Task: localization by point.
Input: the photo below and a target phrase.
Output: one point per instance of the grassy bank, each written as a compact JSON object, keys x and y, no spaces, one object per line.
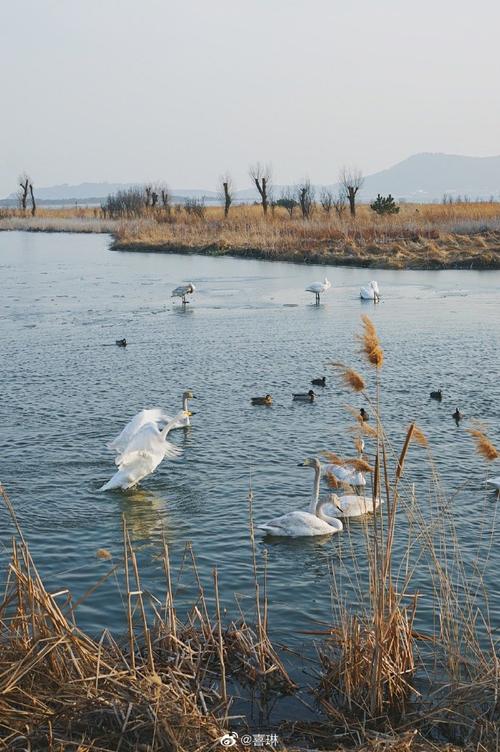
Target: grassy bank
{"x":381,"y":679}
{"x":434,"y":236}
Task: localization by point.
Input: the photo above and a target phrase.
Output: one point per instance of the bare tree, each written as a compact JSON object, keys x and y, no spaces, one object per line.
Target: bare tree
{"x":226,"y":192}
{"x":22,"y":194}
{"x":261,"y":176}
{"x":351,"y":179}
{"x":305,"y":196}
{"x":33,"y":202}
{"x":326,"y":200}
{"x":166,"y":199}
{"x":340,"y":203}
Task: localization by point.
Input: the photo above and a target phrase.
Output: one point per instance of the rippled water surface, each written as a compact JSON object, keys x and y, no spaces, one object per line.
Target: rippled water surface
{"x":251,"y":329}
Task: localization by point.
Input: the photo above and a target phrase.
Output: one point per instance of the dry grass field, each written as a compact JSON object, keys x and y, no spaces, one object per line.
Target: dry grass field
{"x":423,"y":236}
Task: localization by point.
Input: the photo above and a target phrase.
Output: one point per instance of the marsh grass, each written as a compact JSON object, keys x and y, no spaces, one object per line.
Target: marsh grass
{"x":420,"y":236}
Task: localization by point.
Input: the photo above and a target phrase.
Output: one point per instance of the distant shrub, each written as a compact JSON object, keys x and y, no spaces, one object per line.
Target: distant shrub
{"x":195,"y":207}
{"x":384,"y":205}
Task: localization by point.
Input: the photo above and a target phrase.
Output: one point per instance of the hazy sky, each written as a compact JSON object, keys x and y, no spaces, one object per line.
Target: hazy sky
{"x":132,"y":90}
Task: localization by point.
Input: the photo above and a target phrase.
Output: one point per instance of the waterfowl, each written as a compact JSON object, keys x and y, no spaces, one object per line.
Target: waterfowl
{"x":495,"y":482}
{"x":121,"y":342}
{"x":370,"y":292}
{"x":457,"y":416}
{"x":438,"y":395}
{"x":182,"y":291}
{"x":305,"y":396}
{"x":351,"y":505}
{"x":300,"y":524}
{"x":319,"y":382}
{"x":155,"y":416}
{"x":134,"y":465}
{"x":267,"y":400}
{"x":318,"y":288}
{"x":345,"y":474}
{"x":364,"y":415}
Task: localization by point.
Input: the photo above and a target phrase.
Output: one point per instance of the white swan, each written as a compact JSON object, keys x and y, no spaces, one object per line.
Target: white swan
{"x":351,"y":505}
{"x":346,"y":474}
{"x":156,"y":416}
{"x":495,"y":482}
{"x":318,"y":288}
{"x":298,"y":523}
{"x":371,"y":292}
{"x":182,"y":291}
{"x":135,"y":465}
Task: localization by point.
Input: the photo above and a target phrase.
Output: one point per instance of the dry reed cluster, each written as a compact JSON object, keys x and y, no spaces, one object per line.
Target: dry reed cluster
{"x":423,"y":236}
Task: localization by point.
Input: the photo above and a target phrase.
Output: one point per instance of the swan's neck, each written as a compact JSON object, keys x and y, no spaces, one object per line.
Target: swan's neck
{"x":315,"y":493}
{"x":185,"y":403}
{"x":332,"y":521}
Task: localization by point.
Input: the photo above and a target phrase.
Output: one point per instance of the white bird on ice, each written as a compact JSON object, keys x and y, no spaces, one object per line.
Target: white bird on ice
{"x":318,"y":288}
{"x":182,"y":291}
{"x":370,"y":292}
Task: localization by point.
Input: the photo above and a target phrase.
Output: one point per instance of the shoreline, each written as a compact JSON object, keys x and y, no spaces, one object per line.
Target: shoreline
{"x":456,"y":251}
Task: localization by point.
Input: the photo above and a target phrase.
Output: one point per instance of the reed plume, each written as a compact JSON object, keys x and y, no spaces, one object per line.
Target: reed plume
{"x":484,"y":447}
{"x":350,"y":377}
{"x":370,"y":343}
{"x":419,"y":436}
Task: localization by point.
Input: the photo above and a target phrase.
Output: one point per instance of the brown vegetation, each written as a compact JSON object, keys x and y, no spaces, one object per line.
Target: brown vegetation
{"x":432,"y":236}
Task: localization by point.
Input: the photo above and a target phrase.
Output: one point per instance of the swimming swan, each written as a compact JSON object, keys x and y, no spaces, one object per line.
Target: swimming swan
{"x":495,"y":482}
{"x":370,"y":292}
{"x":351,"y":505}
{"x":345,"y":474}
{"x":136,"y":464}
{"x":300,"y":524}
{"x":318,"y":288}
{"x":156,"y":416}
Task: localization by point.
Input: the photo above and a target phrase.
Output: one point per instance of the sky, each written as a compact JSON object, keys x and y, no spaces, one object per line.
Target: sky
{"x":183,"y":91}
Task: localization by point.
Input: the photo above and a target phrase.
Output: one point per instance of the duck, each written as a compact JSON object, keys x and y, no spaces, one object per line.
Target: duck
{"x":298,"y":524}
{"x":457,"y":416}
{"x":319,"y":382}
{"x":318,"y":288}
{"x":267,"y":400}
{"x":309,"y":396}
{"x":121,"y":342}
{"x":364,"y":415}
{"x":182,"y":291}
{"x":437,"y":395}
{"x":370,"y":292}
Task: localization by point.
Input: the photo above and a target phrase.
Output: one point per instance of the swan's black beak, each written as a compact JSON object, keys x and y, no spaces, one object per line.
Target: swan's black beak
{"x":300,"y":464}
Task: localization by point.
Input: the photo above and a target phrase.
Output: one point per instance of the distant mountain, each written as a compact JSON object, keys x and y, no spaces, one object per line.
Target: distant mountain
{"x":426,"y":177}
{"x":422,"y":177}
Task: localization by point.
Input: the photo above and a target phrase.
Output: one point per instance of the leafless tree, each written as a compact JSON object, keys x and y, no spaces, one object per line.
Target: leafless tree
{"x":261,"y":176}
{"x":166,"y":199}
{"x":22,"y":194}
{"x":326,"y":200}
{"x":351,"y":179}
{"x":33,"y":202}
{"x":226,"y":192}
{"x":305,"y":197}
{"x":340,"y":203}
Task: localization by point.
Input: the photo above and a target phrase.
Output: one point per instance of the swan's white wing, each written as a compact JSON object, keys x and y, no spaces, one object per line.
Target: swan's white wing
{"x":351,"y":506}
{"x":131,"y":472}
{"x":296,"y":524}
{"x":315,"y":287}
{"x":494,"y":482}
{"x":346,"y":474}
{"x":367,"y":293}
{"x":152,"y":415}
{"x":147,"y":440}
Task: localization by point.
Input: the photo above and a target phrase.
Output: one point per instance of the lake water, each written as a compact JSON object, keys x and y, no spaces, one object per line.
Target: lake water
{"x":250,"y":329}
